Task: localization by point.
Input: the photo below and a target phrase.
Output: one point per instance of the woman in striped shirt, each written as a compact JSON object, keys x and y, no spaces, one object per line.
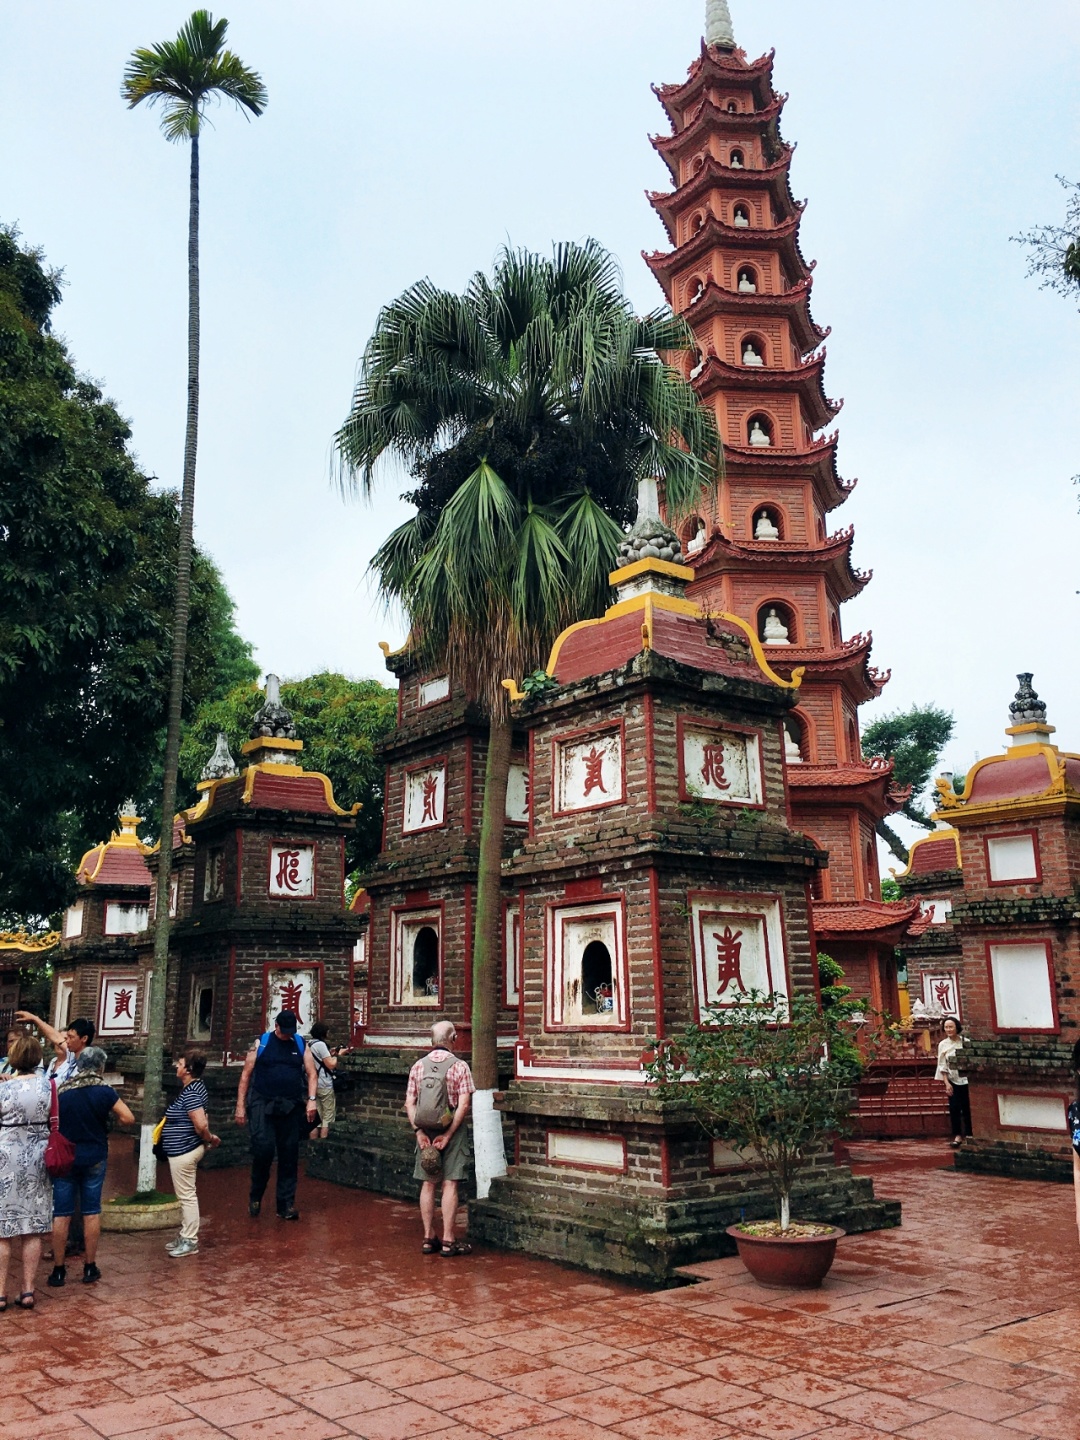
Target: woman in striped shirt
{"x":185,"y":1139}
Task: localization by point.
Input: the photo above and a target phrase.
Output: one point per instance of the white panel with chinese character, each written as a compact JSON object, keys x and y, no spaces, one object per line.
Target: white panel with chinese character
{"x":1023,"y":999}
{"x":292,"y":871}
{"x":722,"y":765}
{"x":119,"y":997}
{"x":1032,"y":1112}
{"x":942,"y":993}
{"x":123,"y":918}
{"x":214,"y":875}
{"x":517,"y":795}
{"x":588,"y":772}
{"x":738,"y":946}
{"x":938,"y":910}
{"x":425,"y":798}
{"x":586,"y":979}
{"x":296,"y":991}
{"x":416,"y":959}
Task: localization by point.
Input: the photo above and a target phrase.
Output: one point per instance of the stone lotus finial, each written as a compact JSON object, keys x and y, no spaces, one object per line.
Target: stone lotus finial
{"x":650,"y":539}
{"x":272,"y":720}
{"x":718,"y":29}
{"x":221,"y":764}
{"x":1027,"y":708}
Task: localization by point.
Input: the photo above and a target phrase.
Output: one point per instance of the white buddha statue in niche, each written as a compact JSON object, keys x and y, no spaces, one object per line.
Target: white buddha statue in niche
{"x":776,"y":632}
{"x":764,"y":529}
{"x":759,"y":435}
{"x":736,"y":160}
{"x":698,"y":542}
{"x":746,"y":283}
{"x":751,"y":355}
{"x":741,"y":219}
{"x":792,"y":754}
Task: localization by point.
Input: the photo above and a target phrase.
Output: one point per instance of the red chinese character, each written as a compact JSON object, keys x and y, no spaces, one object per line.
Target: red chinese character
{"x":594,"y":770}
{"x":943,"y":993}
{"x":712,"y":771}
{"x":528,"y":792}
{"x":431,"y":798}
{"x":288,"y":870}
{"x":291,"y":995}
{"x":728,"y":955}
{"x":122,"y":1004}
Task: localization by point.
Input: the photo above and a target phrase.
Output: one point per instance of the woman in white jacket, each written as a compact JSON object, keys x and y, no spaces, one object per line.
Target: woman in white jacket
{"x":956,"y":1085}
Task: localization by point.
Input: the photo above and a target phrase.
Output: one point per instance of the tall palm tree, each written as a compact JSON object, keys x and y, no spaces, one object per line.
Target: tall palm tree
{"x":182,"y":76}
{"x":529,"y":407}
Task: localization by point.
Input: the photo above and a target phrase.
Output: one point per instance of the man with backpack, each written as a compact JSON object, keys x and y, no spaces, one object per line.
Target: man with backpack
{"x":437,"y":1104}
{"x":277,"y":1086}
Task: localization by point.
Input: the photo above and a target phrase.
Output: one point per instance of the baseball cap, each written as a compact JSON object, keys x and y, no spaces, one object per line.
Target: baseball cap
{"x":286,"y":1020}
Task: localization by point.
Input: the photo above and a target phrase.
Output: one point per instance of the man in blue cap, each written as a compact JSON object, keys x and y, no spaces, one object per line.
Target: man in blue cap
{"x":277,"y":1087}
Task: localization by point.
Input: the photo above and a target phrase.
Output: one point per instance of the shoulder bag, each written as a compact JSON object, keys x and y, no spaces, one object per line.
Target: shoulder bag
{"x":59,"y":1151}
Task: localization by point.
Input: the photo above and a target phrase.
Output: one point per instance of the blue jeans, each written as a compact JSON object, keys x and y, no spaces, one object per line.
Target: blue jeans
{"x":86,"y":1181}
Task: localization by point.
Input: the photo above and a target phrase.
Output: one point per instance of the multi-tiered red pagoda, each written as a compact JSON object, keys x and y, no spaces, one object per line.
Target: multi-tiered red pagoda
{"x":761,"y":547}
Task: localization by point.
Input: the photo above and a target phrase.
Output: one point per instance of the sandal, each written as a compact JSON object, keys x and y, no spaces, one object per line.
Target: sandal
{"x":459,"y":1247}
{"x":26,"y":1300}
{"x":430,"y":1246}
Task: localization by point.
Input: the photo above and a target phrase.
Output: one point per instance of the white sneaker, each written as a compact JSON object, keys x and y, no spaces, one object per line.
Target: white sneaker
{"x":182,"y":1248}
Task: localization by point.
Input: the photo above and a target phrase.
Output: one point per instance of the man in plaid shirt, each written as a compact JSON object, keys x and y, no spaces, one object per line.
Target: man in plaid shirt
{"x":442,"y":1144}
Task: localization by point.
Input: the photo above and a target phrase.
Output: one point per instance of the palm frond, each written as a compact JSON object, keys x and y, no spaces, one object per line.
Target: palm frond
{"x":183,"y":75}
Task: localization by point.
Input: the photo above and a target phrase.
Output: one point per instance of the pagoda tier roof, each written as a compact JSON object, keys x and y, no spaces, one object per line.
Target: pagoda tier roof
{"x":793,"y":305}
{"x":731,"y":123}
{"x":715,"y":66}
{"x":774,"y":177}
{"x":120,"y":860}
{"x":807,"y":379}
{"x":831,"y":559}
{"x":867,"y":783}
{"x":934,"y":853}
{"x":715,"y":235}
{"x":877,"y":920}
{"x":818,"y":462}
{"x":847,"y":664}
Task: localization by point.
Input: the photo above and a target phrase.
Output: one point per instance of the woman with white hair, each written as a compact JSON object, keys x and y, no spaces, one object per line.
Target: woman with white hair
{"x":85,"y":1104}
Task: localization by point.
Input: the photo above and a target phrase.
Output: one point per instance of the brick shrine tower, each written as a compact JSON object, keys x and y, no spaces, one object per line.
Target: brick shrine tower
{"x":760,"y":548}
{"x":98,"y":971}
{"x":1016,"y":927}
{"x":260,"y":918}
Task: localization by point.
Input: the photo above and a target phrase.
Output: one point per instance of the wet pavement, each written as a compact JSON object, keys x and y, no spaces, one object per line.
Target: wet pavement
{"x":962,"y":1325}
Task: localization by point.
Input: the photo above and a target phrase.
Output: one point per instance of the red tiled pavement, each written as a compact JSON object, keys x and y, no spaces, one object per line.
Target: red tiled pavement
{"x":961,"y":1325}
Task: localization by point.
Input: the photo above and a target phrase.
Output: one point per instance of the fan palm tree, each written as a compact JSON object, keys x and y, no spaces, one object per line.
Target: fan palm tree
{"x":182,"y":76}
{"x":529,"y":407}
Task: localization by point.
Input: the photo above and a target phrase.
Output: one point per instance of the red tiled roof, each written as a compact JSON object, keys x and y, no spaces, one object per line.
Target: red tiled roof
{"x":1007,"y":779}
{"x":290,"y":792}
{"x":610,"y":644}
{"x":866,"y":917}
{"x":933,"y":854}
{"x":114,"y":864}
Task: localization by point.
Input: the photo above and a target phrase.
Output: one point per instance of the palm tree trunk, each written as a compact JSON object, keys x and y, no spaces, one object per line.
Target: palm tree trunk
{"x":487,"y":953}
{"x":155,"y":1039}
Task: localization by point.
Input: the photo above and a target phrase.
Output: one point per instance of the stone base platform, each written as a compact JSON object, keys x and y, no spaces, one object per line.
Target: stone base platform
{"x":651,"y":1239}
{"x":997,"y":1157}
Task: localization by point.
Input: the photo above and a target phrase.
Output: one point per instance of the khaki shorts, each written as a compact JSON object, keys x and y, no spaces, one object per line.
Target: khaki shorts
{"x":326,"y":1105}
{"x":457,"y":1158}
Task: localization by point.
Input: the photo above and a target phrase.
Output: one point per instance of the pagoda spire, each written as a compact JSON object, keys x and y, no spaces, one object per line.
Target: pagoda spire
{"x":718,"y":29}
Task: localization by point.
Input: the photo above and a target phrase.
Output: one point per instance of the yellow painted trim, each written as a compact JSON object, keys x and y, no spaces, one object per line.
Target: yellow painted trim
{"x":1031,"y":728}
{"x":267,"y":742}
{"x":511,"y":688}
{"x":961,"y":811}
{"x":553,"y":658}
{"x":675,"y":603}
{"x":950,"y":834}
{"x":272,"y":767}
{"x":388,"y":653}
{"x":647,"y":566}
{"x":28,"y":944}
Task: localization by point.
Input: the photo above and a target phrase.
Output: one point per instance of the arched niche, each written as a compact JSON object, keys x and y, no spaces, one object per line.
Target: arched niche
{"x":740,"y":215}
{"x":752,"y":350}
{"x":768,"y":522}
{"x":597,"y":976}
{"x":759,"y":431}
{"x":695,"y":288}
{"x":746,"y":280}
{"x":697,"y":222}
{"x":737,"y":160}
{"x":425,"y":961}
{"x":776,"y":623}
{"x":731,"y":106}
{"x":694,"y":536}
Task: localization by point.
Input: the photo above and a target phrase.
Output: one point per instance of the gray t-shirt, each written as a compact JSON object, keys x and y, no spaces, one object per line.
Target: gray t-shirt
{"x":320,"y":1051}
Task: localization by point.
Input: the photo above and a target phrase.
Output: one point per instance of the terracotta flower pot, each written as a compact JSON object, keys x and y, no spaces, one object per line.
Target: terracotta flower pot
{"x":798,"y":1262}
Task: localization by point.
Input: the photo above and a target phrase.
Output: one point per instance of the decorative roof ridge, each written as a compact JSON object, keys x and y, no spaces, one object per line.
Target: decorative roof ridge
{"x":947,"y":832}
{"x":759,"y":236}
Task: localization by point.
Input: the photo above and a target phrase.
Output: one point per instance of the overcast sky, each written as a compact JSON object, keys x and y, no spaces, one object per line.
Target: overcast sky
{"x":410,"y":140}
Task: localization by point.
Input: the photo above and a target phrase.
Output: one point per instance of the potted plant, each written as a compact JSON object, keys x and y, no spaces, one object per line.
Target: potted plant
{"x":773,"y":1077}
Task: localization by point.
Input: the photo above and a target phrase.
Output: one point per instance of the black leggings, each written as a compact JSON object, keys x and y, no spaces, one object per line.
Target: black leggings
{"x":270,"y":1133}
{"x":960,"y":1110}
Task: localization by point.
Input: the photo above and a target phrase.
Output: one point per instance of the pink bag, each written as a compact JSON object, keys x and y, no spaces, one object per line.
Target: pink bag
{"x":59,"y":1152}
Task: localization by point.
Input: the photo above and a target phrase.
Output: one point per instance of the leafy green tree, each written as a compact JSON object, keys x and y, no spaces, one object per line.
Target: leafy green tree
{"x":915,"y":739}
{"x":182,"y":76}
{"x":1054,"y":250}
{"x":340,"y":721}
{"x":528,"y":408}
{"x":86,"y":563}
{"x":774,"y":1092}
